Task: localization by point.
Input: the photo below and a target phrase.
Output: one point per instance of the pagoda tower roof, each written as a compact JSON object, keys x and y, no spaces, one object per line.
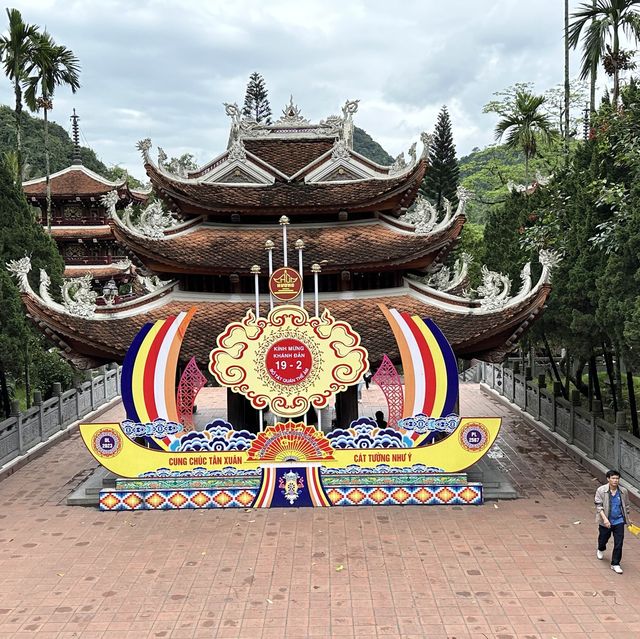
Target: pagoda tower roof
{"x":291,"y":167}
{"x":78,"y":181}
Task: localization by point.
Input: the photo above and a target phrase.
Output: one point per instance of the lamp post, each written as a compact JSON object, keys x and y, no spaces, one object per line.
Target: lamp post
{"x":300,"y":245}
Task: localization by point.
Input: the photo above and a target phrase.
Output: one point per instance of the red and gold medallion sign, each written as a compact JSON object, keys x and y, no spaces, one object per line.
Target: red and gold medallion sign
{"x":288,"y":361}
{"x":285,"y":284}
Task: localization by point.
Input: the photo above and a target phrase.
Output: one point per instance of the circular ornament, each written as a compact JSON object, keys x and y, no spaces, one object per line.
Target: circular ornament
{"x":106,"y":443}
{"x":474,"y":437}
{"x":285,"y":284}
{"x":288,"y":361}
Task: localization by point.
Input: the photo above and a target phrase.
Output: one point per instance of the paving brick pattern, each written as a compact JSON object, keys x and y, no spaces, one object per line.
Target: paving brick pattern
{"x":514,"y":569}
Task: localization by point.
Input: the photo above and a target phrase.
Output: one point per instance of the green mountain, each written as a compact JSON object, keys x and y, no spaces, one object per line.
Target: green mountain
{"x":60,"y":145}
{"x":364,"y":144}
{"x":487,"y":171}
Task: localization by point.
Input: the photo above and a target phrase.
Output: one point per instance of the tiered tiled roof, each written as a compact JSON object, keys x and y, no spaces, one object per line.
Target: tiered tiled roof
{"x":74,"y":181}
{"x":288,"y":156}
{"x":472,"y":334}
{"x":289,"y":198}
{"x":223,"y":249}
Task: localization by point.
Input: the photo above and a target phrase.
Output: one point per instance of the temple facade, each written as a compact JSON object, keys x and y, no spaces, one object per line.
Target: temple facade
{"x":374,"y":239}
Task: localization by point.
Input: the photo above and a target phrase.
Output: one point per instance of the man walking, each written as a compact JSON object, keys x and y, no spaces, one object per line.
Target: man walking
{"x":612,"y":515}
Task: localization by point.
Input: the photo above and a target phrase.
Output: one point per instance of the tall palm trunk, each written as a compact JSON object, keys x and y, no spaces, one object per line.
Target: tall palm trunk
{"x":46,"y":165}
{"x":18,"y":114}
{"x":566,"y":82}
{"x":592,"y":78}
{"x":616,"y":70}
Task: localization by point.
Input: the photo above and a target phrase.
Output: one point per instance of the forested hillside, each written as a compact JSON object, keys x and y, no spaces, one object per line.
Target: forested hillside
{"x":60,"y":145}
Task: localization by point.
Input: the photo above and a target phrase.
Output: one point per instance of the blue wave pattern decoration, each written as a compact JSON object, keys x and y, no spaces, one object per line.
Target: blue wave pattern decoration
{"x":422,"y":423}
{"x":229,"y":471}
{"x":157,"y":428}
{"x":381,"y":469}
{"x":365,"y":433}
{"x":217,"y":436}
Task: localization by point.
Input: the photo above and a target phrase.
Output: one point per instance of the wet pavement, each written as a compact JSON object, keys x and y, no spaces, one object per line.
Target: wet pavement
{"x":514,"y":569}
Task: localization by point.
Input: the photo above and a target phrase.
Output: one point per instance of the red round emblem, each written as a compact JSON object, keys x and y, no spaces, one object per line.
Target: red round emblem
{"x":288,"y":361}
{"x":285,"y":284}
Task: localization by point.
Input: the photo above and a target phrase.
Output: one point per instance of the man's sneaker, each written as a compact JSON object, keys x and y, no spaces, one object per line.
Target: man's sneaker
{"x":599,"y":554}
{"x":617,"y":569}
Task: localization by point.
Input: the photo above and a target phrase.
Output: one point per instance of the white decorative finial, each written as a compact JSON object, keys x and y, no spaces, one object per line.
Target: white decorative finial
{"x":20,"y":269}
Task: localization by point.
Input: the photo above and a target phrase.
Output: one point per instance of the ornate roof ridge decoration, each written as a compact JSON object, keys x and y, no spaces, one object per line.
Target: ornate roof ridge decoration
{"x":292,"y":124}
{"x":153,"y":283}
{"x":82,"y":169}
{"x":20,"y":270}
{"x":77,"y":296}
{"x":447,"y":278}
{"x":528,"y":189}
{"x":492,"y":295}
{"x":291,"y":114}
{"x":154,"y":220}
{"x":423,"y":215}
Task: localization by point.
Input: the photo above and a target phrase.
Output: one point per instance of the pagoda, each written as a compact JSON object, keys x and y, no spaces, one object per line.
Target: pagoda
{"x":79,"y":219}
{"x":360,"y":227}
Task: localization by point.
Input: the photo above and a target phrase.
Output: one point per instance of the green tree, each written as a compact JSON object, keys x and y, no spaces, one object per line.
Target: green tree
{"x":180,"y":166}
{"x":443,"y":175}
{"x":525,"y":126}
{"x":256,"y":102}
{"x":600,"y":25}
{"x":51,"y":66}
{"x":20,"y":235}
{"x":15,"y":53}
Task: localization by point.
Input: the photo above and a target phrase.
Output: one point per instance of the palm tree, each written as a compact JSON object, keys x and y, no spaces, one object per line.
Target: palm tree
{"x":525,"y":125}
{"x":606,"y":20}
{"x":51,"y":66}
{"x":15,"y":54}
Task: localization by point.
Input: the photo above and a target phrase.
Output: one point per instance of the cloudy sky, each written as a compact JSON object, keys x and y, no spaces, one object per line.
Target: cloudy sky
{"x":161,"y":69}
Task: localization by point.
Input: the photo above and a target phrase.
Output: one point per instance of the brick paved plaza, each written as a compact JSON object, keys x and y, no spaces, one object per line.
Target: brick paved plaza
{"x":524,"y":568}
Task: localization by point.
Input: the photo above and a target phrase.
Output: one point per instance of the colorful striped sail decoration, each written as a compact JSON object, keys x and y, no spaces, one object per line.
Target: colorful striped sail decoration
{"x":430,"y":375}
{"x":148,"y":381}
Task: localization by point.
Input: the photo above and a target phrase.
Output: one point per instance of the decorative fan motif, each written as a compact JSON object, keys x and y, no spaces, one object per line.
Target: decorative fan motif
{"x":290,"y":442}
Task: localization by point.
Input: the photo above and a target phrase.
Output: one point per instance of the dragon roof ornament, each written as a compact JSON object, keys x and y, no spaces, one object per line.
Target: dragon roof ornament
{"x":427,"y":141}
{"x":77,"y":296}
{"x":152,"y":223}
{"x":20,"y":270}
{"x":144,"y":146}
{"x":448,"y":278}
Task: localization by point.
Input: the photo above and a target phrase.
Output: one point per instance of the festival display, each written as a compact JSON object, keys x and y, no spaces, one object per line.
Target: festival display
{"x":290,"y":365}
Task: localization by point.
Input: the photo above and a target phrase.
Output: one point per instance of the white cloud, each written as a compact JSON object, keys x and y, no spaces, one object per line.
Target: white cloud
{"x":161,"y":69}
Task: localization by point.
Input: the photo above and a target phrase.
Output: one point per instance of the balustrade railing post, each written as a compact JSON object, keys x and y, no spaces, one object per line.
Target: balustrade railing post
{"x":57,"y":391}
{"x":575,"y":401}
{"x":557,"y":391}
{"x":37,"y":401}
{"x":15,"y":412}
{"x":542,"y":384}
{"x":596,"y":409}
{"x":621,"y":424}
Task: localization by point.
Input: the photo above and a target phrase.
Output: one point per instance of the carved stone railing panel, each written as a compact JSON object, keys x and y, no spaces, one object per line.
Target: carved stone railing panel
{"x":582,"y":430}
{"x":563,"y":418}
{"x":546,"y":408}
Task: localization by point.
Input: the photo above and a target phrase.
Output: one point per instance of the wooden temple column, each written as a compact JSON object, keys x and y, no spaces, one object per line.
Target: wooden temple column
{"x":347,"y":406}
{"x":240,"y":413}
